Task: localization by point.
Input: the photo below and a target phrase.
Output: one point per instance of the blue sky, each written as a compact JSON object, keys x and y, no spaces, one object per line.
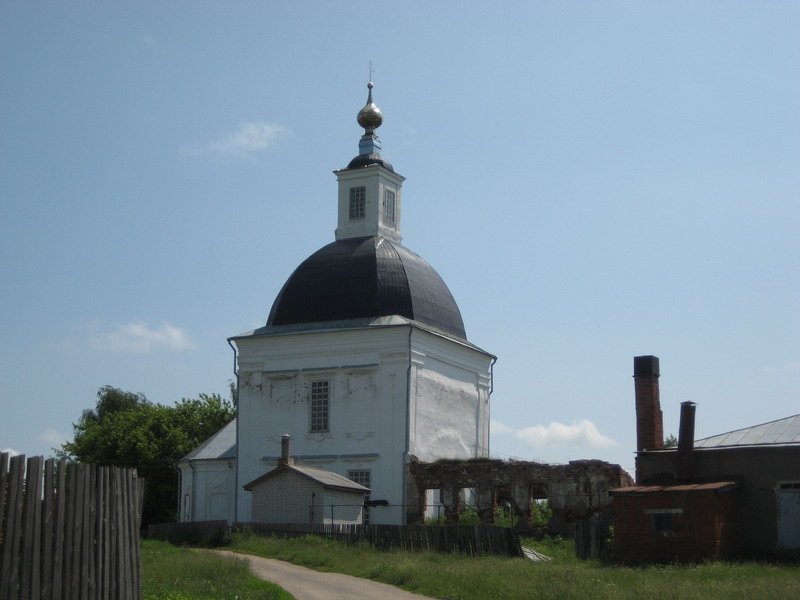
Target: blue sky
{"x":593,"y":180}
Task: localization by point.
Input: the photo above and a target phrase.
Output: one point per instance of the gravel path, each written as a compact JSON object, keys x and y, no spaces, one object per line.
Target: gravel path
{"x":307,"y":584}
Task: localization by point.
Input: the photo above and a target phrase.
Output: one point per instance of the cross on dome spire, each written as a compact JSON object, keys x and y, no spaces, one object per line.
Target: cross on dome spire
{"x":370,"y":118}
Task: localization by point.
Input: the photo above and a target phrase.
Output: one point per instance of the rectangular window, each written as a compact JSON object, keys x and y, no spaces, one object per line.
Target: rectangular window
{"x":320,"y":406}
{"x":662,"y":523}
{"x":358,"y":203}
{"x":363,"y":477}
{"x":388,"y":205}
{"x":664,"y":520}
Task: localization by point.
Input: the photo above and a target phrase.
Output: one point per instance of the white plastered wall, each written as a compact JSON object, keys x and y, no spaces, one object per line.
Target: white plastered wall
{"x":370,"y":429}
{"x":207,"y":490}
{"x":450,"y":386}
{"x":367,"y":370}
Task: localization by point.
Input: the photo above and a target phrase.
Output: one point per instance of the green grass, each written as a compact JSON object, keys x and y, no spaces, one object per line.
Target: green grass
{"x":172,"y":573}
{"x":564,"y":578}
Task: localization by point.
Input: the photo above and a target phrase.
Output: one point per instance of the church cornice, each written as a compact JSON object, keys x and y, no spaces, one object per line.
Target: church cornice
{"x":370,"y":324}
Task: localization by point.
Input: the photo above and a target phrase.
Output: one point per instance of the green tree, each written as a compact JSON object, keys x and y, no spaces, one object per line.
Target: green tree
{"x":127,"y":430}
{"x":671,"y":441}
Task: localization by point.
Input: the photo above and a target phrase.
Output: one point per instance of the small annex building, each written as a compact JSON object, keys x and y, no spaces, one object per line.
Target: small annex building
{"x":208,"y":478}
{"x":664,"y":523}
{"x":292,"y":493}
{"x":732,"y":494}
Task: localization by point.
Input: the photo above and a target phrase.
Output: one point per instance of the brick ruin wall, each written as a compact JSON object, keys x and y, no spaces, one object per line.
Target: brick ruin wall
{"x":575,"y":491}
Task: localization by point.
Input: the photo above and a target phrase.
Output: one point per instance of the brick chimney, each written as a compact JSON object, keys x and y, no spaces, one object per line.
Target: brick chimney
{"x":285,"y":459}
{"x":686,"y":441}
{"x":649,"y":419}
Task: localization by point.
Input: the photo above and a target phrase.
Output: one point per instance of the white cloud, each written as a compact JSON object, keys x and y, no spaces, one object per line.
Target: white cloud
{"x":10,"y":451}
{"x":242,"y":143}
{"x":498,"y":428}
{"x":581,"y":433}
{"x":52,"y":437}
{"x":790,"y":367}
{"x":140,"y":338}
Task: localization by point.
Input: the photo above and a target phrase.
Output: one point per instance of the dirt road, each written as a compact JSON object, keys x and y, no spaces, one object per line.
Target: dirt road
{"x":307,"y":584}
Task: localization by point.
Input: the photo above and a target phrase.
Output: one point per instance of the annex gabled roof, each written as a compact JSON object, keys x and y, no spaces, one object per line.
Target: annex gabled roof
{"x":221,"y":445}
{"x":783,"y":432}
{"x":327,"y":479}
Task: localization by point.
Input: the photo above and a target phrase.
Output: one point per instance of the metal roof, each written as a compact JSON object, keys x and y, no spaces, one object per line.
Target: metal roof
{"x":221,"y":445}
{"x":715,"y":486}
{"x":327,"y":479}
{"x":366,"y":160}
{"x":366,"y":277}
{"x":782,"y":432}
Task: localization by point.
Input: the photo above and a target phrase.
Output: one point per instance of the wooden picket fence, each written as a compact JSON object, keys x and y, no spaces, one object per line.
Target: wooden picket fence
{"x":463,"y":539}
{"x":69,"y":531}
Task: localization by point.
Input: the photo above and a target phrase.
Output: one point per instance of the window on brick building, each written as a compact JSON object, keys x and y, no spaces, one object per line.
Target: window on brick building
{"x":320,"y":406}
{"x":664,"y":521}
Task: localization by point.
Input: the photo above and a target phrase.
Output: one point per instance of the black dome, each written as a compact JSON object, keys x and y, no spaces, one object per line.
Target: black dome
{"x":365,"y":160}
{"x":366,"y":277}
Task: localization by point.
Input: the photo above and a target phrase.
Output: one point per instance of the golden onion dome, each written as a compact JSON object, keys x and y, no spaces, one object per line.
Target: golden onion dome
{"x":370,"y":117}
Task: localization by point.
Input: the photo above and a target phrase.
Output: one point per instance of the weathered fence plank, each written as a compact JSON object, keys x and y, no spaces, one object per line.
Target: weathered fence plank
{"x":58,"y":530}
{"x":12,"y":536}
{"x":47,"y":530}
{"x":32,"y":528}
{"x":102,"y":555}
{"x":57,"y":540}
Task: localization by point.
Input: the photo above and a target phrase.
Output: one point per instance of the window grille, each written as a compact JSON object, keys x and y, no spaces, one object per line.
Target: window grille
{"x":363,"y":477}
{"x":389,"y":205}
{"x":662,"y":523}
{"x":358,"y":203}
{"x":320,"y":406}
{"x":664,"y":520}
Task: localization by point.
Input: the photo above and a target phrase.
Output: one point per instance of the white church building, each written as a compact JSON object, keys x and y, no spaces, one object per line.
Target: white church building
{"x":364,"y":361}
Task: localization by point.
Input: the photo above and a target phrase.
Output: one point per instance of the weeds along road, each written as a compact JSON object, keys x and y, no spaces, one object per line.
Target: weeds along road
{"x":307,"y":584}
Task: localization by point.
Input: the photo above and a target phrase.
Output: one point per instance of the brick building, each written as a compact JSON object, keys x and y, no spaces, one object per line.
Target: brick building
{"x":732,"y":494}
